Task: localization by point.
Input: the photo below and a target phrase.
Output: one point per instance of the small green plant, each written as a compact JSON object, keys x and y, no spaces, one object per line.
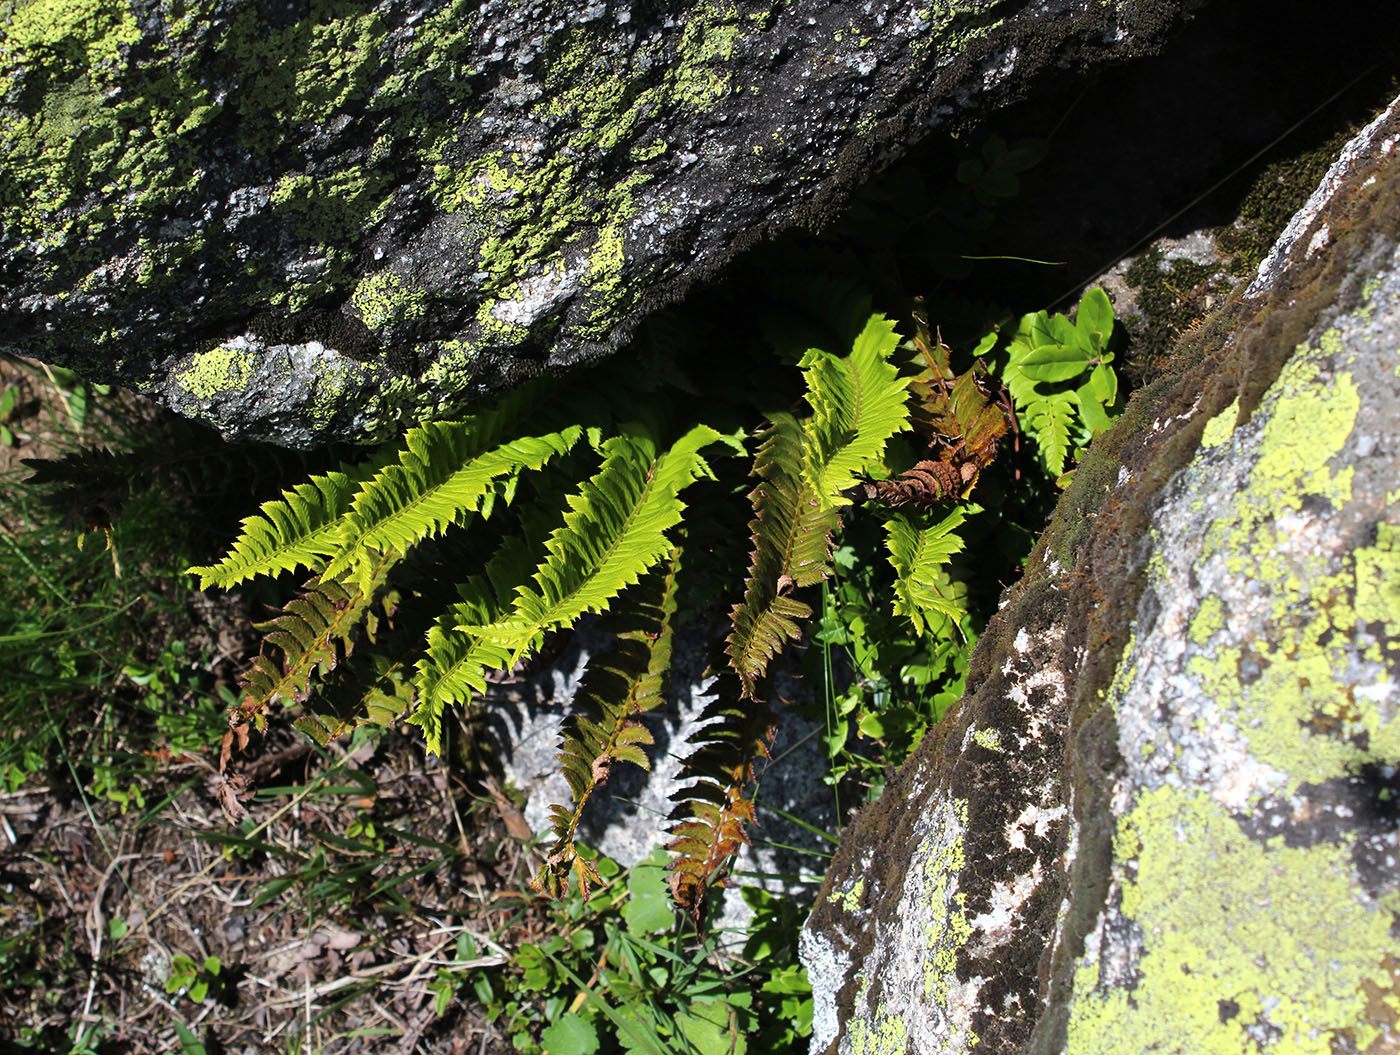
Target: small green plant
{"x":618,"y":972}
{"x":9,"y":398}
{"x":1059,"y":376}
{"x":894,"y":680}
{"x":194,"y":980}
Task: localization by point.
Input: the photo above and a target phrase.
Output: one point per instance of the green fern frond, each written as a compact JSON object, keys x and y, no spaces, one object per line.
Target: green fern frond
{"x":614,"y":531}
{"x":445,"y":470}
{"x":1051,"y":422}
{"x":919,"y":552}
{"x":618,"y":687}
{"x":791,"y":533}
{"x":298,"y":530}
{"x":858,"y":403}
{"x":454,"y":664}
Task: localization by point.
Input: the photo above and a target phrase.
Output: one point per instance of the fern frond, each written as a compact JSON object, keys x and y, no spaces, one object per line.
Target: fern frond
{"x":374,"y":690}
{"x":791,"y":533}
{"x":858,"y":403}
{"x":295,"y":531}
{"x":445,"y":470}
{"x":313,"y":633}
{"x":618,"y":687}
{"x":713,"y":810}
{"x":614,"y":531}
{"x":1051,"y":420}
{"x":454,"y":665}
{"x":919,"y":552}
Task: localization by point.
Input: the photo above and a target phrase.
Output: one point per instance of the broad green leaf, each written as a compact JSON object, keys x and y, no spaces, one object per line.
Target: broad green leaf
{"x":1094,"y":320}
{"x":1105,"y":383}
{"x":707,"y":1028}
{"x":1091,"y":411}
{"x":871,"y":725}
{"x":1054,"y":363}
{"x":649,"y":908}
{"x":1062,"y":330}
{"x":569,"y":1035}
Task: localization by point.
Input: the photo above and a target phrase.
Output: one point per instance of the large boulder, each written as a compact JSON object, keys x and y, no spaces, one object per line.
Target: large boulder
{"x":1166,"y":815}
{"x":317,"y":220}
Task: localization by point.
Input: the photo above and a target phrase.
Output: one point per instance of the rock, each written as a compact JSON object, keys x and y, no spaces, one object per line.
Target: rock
{"x":628,"y":818}
{"x":1164,"y":817}
{"x":321,"y":220}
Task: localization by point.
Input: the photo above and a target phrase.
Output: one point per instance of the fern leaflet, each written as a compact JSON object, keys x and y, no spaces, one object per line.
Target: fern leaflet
{"x":313,"y":633}
{"x":445,"y":470}
{"x":713,"y":810}
{"x":454,"y":665}
{"x":858,"y":403}
{"x":791,"y":537}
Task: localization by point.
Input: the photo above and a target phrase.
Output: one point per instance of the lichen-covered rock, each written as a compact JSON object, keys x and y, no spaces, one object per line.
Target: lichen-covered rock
{"x":1164,"y":819}
{"x":319,"y":219}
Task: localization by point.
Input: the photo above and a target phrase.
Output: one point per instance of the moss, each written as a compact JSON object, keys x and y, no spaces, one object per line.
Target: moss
{"x":1244,"y":940}
{"x":213,"y":372}
{"x":1276,"y":194}
{"x":1171,"y":299}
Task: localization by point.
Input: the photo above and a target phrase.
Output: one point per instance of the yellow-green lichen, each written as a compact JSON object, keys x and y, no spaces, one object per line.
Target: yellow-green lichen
{"x":219,"y":370}
{"x":1210,"y":617}
{"x":886,"y":1034}
{"x":1378,"y":578}
{"x":948,"y":928}
{"x":850,"y":899}
{"x":383,"y":299}
{"x":988,"y":738}
{"x":1218,"y":428}
{"x":1242,"y":939}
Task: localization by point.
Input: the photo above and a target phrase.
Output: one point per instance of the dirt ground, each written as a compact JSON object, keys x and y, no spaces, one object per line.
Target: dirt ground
{"x":331,"y":906}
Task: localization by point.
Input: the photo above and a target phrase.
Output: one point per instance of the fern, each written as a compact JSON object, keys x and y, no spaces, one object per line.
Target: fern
{"x":712,"y":810}
{"x":792,"y":548}
{"x":919,"y":552}
{"x":858,"y":403}
{"x":446,"y":470}
{"x":299,"y":530}
{"x":805,"y":468}
{"x":573,"y":528}
{"x":604,"y":729}
{"x":313,"y":633}
{"x":1060,"y":379}
{"x":454,"y":665}
{"x":614,"y":531}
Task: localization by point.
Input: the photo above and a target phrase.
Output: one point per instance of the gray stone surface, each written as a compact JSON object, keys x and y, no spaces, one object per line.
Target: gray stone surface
{"x":1163,"y":818}
{"x":319,"y":220}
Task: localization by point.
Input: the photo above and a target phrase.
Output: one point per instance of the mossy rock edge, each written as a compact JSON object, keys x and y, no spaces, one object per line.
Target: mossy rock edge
{"x":1182,"y":836}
